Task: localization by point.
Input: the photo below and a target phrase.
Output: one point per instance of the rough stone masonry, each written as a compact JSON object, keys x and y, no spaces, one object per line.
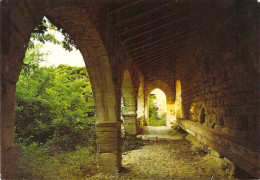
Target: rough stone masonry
{"x":206,"y":52}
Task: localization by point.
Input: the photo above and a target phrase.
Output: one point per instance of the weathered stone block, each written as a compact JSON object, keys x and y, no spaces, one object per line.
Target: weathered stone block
{"x":130,"y":128}
{"x":109,"y":159}
{"x":109,"y":134}
{"x":129,"y":119}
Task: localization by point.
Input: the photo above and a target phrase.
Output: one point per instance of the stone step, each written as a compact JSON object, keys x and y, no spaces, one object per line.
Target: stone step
{"x":159,"y":137}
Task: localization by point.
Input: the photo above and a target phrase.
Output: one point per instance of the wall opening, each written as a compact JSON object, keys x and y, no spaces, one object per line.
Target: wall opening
{"x":202,"y":116}
{"x":157,"y":108}
{"x":54,"y":113}
{"x":167,"y":90}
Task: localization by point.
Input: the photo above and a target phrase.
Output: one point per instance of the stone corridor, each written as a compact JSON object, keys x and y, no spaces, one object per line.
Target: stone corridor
{"x":204,"y":55}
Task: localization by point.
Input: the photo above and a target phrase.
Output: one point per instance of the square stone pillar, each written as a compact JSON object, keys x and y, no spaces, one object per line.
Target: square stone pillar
{"x":109,"y":142}
{"x":9,"y":151}
{"x":130,"y":123}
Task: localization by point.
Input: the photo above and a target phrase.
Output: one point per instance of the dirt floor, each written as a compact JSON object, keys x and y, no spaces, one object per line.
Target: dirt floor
{"x":167,"y":160}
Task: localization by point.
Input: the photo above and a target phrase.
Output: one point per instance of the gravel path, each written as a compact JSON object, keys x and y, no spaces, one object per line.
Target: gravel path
{"x":167,"y":160}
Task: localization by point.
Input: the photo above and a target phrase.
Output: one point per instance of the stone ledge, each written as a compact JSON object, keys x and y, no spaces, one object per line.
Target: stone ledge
{"x":244,"y":154}
{"x":159,"y":137}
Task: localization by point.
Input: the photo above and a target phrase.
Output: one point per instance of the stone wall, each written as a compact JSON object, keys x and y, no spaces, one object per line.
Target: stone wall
{"x":167,"y":75}
{"x":220,"y":76}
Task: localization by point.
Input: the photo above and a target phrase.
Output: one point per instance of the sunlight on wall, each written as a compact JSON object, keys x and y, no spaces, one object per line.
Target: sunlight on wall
{"x":178,"y":101}
{"x":140,"y":102}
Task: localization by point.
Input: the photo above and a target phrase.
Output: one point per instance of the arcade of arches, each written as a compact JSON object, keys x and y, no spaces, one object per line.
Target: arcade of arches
{"x":203,"y":54}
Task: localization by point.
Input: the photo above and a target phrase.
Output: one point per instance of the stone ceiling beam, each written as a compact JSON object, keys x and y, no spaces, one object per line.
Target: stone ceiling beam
{"x":157,"y":29}
{"x":164,"y":51}
{"x":141,"y":15}
{"x":123,"y":7}
{"x":154,"y":42}
{"x":155,"y":59}
{"x":166,"y":34}
{"x":149,"y":22}
{"x":161,"y":48}
{"x":147,"y":69}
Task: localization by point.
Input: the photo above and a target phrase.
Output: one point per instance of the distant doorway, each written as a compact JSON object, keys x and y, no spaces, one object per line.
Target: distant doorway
{"x":157,"y":108}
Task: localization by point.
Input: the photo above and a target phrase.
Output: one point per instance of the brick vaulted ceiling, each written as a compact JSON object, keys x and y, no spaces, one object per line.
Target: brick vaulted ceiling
{"x":154,"y":32}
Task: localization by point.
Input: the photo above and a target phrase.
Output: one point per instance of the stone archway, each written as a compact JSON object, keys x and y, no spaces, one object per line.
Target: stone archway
{"x":128,"y":104}
{"x":15,"y":39}
{"x":169,"y":99}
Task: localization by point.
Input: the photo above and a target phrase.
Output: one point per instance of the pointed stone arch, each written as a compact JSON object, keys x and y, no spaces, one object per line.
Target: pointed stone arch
{"x":20,"y":23}
{"x":169,"y":99}
{"x":128,"y":104}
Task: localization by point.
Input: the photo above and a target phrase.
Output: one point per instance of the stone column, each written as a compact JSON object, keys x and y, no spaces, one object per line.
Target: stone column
{"x":130,"y":123}
{"x":9,"y":151}
{"x":8,"y":158}
{"x":109,"y":153}
{"x":170,"y":112}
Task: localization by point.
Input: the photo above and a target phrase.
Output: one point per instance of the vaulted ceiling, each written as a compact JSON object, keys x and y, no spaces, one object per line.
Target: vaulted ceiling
{"x":154,"y":32}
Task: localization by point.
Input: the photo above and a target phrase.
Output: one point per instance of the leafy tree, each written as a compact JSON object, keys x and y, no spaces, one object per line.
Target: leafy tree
{"x":53,"y":105}
{"x":33,"y":58}
{"x":43,"y":35}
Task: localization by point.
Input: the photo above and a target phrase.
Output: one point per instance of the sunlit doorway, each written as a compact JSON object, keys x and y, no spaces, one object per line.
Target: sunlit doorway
{"x":157,"y":108}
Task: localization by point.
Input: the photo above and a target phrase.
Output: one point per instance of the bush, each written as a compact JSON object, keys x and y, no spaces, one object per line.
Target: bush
{"x":52,"y":107}
{"x":154,"y":119}
{"x":44,"y":162}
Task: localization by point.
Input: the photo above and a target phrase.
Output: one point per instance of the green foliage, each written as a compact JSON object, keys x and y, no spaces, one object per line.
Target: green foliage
{"x":154,"y":119}
{"x":52,"y":107}
{"x":42,"y":162}
{"x":33,"y":57}
{"x":43,"y":35}
{"x":51,"y":115}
